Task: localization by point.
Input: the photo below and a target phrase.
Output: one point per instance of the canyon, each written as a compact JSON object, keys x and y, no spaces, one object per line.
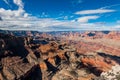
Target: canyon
{"x":27,"y":55}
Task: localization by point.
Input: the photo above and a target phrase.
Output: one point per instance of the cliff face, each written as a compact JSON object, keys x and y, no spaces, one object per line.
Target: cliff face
{"x":13,"y":57}
{"x":11,"y":45}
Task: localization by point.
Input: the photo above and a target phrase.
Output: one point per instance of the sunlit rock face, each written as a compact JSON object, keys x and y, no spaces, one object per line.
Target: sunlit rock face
{"x":113,"y":74}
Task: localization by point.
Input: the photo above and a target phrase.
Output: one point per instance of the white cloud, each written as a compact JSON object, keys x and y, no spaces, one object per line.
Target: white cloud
{"x":12,"y":14}
{"x":15,"y":18}
{"x":96,"y":11}
{"x":20,"y":20}
{"x":52,"y":25}
{"x":87,"y":18}
{"x":19,"y":3}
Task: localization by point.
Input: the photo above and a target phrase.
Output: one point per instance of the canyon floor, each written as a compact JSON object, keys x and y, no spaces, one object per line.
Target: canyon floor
{"x":91,"y":55}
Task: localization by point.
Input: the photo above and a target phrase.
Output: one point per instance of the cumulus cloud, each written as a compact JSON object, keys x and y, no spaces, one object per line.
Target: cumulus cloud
{"x":96,"y":11}
{"x":87,"y":18}
{"x":13,"y":19}
{"x":12,"y":14}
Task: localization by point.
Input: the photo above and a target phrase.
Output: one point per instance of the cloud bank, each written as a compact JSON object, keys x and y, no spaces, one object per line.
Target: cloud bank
{"x":96,"y":11}
{"x":21,"y":20}
{"x":85,"y":19}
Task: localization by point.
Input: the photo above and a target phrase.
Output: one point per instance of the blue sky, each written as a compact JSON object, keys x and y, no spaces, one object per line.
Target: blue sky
{"x":60,"y":15}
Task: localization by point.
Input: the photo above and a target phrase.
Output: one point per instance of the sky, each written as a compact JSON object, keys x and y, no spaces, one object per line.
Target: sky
{"x":59,"y":15}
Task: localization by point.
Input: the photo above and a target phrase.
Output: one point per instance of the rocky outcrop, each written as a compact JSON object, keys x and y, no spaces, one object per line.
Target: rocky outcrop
{"x":13,"y":68}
